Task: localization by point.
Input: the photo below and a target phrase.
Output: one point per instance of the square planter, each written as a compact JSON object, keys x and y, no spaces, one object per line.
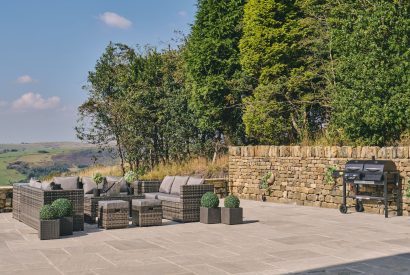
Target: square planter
{"x":210,"y":215}
{"x":66,"y":226}
{"x":49,"y":229}
{"x":232,"y":215}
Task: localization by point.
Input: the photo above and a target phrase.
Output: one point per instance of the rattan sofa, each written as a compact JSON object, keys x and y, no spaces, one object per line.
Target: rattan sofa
{"x":183,"y":206}
{"x":29,"y":200}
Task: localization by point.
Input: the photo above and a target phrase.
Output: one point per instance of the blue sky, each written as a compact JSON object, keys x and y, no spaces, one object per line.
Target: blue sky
{"x":47,"y":48}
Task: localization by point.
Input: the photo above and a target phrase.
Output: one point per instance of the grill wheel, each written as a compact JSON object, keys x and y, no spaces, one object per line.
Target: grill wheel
{"x":343,"y":209}
{"x":359,"y":206}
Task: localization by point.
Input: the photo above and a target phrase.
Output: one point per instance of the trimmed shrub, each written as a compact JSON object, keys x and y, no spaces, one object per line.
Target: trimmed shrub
{"x":231,"y":201}
{"x":47,"y":212}
{"x":63,"y":208}
{"x":209,"y":200}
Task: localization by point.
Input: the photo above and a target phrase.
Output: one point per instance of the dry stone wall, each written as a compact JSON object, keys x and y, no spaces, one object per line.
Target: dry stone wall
{"x":5,"y":200}
{"x":299,"y":173}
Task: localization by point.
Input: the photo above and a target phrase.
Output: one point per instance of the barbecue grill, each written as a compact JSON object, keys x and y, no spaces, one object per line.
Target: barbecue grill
{"x":378,"y":173}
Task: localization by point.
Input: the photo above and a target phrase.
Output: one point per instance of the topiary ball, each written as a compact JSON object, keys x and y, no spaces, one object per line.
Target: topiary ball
{"x":232,"y":201}
{"x":63,"y":208}
{"x":47,"y":212}
{"x":209,"y":200}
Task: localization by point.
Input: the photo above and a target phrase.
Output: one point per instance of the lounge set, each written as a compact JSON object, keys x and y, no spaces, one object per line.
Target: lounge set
{"x":174,"y":198}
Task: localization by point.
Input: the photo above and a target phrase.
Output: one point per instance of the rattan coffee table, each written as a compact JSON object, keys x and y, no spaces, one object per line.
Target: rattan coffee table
{"x":113,"y":214}
{"x":91,"y":204}
{"x":146,"y":212}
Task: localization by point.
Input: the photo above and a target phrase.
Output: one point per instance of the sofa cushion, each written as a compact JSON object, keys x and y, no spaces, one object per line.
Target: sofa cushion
{"x":176,"y":185}
{"x":67,"y":183}
{"x":112,"y":188}
{"x":146,"y":202}
{"x":46,"y":185}
{"x":123,"y":184}
{"x":152,"y":195}
{"x":195,"y":181}
{"x":166,"y":184}
{"x":88,"y":185}
{"x":34,"y":183}
{"x":169,"y":197}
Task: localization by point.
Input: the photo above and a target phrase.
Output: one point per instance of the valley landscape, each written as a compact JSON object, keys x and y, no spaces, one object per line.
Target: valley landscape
{"x":20,"y":162}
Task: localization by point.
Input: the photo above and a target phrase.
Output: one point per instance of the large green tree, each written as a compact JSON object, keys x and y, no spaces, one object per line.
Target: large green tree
{"x":371,"y":104}
{"x":213,"y":68}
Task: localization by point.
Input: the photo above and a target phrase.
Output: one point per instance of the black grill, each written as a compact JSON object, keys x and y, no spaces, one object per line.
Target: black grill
{"x":378,"y":173}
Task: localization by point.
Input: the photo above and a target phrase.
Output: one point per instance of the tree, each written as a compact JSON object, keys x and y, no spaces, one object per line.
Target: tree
{"x":371,"y":104}
{"x":212,"y":59}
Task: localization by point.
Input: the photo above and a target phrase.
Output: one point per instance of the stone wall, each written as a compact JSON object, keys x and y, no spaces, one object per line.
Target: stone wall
{"x":299,"y":173}
{"x":5,"y":202}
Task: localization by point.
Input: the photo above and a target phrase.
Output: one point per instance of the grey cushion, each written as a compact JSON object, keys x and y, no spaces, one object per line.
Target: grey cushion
{"x":88,"y":185}
{"x":67,"y":183}
{"x":169,"y":197}
{"x":152,"y":195}
{"x":46,"y":185}
{"x":123,"y":184}
{"x":195,"y":181}
{"x":146,"y":202}
{"x":34,"y":183}
{"x":176,"y":185}
{"x":114,"y":204}
{"x":166,"y":184}
{"x":113,"y":189}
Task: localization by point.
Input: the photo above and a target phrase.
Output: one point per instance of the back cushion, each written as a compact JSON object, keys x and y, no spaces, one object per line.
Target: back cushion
{"x":166,"y":184}
{"x":117,"y":180}
{"x":176,"y":185}
{"x":113,"y":188}
{"x":34,"y":183}
{"x":46,"y":185}
{"x":67,"y":183}
{"x":195,"y":181}
{"x":88,"y":185}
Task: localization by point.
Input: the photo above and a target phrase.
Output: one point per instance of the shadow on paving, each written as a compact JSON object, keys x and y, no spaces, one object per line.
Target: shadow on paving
{"x":396,"y":264}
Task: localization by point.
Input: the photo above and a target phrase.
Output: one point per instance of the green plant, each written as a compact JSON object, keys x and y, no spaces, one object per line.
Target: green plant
{"x":130,"y":176}
{"x":408,"y":188}
{"x":98,"y":178}
{"x":329,"y":179}
{"x":264,"y":184}
{"x":63,"y":208}
{"x":47,"y":212}
{"x":232,"y":201}
{"x":209,"y":200}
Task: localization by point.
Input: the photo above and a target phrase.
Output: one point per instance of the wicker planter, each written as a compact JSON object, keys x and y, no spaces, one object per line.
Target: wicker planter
{"x":232,"y":215}
{"x":66,"y":226}
{"x":210,"y":215}
{"x":49,"y":229}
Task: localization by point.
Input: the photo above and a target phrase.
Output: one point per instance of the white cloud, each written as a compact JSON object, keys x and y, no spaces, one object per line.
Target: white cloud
{"x":36,"y":102}
{"x":182,"y":13}
{"x":115,"y":20}
{"x":24,"y":79}
{"x":3,"y":103}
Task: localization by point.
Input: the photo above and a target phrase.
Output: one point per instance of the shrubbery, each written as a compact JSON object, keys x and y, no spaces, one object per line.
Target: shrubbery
{"x":63,"y":208}
{"x":231,"y":201}
{"x":209,"y":200}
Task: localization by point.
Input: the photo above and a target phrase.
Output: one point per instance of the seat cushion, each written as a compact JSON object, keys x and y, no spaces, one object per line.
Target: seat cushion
{"x":169,"y":197}
{"x":176,"y":185}
{"x":67,"y":183}
{"x":146,"y":202}
{"x":152,"y":195}
{"x":166,"y":185}
{"x":114,"y":204}
{"x":195,"y":181}
{"x":123,"y":184}
{"x":88,"y":185}
{"x":34,"y":183}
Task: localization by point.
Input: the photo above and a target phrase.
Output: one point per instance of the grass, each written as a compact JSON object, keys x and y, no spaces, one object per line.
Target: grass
{"x":197,"y":166}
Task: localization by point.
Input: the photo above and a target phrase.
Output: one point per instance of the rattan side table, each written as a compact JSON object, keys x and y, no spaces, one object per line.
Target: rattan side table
{"x":113,"y":214}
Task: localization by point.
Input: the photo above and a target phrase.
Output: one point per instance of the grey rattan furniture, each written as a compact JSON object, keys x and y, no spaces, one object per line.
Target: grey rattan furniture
{"x":91,"y":204}
{"x":31,"y":199}
{"x":113,"y":214}
{"x":16,"y":199}
{"x":184,"y":207}
{"x":146,"y":212}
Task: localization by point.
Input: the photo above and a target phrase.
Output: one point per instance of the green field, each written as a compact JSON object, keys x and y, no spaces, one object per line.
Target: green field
{"x":72,"y":155}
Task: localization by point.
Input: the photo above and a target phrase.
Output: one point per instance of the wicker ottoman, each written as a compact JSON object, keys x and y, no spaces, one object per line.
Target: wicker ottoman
{"x":113,"y":214}
{"x":146,"y":212}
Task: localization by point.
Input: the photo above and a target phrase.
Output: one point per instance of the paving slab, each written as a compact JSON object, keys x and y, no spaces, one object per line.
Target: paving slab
{"x":275,"y":239}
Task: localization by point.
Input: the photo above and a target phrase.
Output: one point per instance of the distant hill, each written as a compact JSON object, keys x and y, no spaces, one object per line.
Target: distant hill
{"x":19,"y":162}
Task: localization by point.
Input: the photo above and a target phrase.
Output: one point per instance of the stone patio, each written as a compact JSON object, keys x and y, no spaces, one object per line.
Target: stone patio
{"x":275,"y":239}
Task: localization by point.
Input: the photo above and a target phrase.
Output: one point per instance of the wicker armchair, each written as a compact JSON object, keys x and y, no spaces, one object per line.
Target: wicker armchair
{"x":29,"y":200}
{"x":187,"y":208}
